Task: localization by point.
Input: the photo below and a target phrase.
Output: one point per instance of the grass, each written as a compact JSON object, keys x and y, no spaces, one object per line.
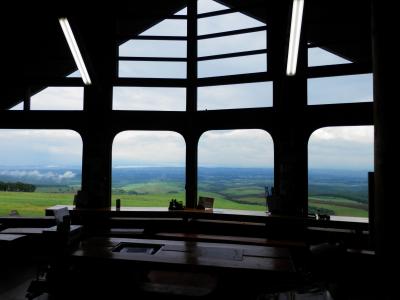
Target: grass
{"x":31,"y":204}
{"x":159,"y":194}
{"x":155,"y":187}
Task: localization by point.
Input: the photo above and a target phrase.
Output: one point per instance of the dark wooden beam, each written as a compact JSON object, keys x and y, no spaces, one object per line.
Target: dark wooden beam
{"x":233,"y":79}
{"x":144,"y":58}
{"x":338,"y":70}
{"x":151,"y":82}
{"x":217,"y":13}
{"x":235,"y":54}
{"x":191,"y":106}
{"x":231,"y":32}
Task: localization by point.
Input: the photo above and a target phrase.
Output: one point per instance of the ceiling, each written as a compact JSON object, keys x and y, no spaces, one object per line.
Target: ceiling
{"x":34,"y":50}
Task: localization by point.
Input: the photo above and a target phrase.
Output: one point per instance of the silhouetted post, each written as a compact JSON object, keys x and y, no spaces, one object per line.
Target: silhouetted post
{"x":290,"y":101}
{"x":191,"y":106}
{"x":27,"y":100}
{"x":97,"y":136}
{"x":387,"y":147}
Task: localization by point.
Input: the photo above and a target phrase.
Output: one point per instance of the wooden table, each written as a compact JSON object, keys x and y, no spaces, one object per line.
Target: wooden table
{"x":243,"y":216}
{"x":36,"y":230}
{"x":184,"y":255}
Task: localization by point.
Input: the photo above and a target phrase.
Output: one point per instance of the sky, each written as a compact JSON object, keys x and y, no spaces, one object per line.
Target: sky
{"x":347,"y":148}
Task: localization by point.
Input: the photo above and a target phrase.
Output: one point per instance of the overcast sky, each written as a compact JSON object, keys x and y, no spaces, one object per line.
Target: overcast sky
{"x":350,"y":148}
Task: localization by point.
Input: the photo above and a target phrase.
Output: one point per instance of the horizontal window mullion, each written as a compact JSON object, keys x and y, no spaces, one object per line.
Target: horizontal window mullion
{"x":217,"y":13}
{"x":231,"y":32}
{"x":234,"y":54}
{"x":143,"y":58}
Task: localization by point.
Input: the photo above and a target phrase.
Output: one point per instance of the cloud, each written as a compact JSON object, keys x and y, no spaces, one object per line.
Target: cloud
{"x":237,"y":148}
{"x":350,"y":147}
{"x":149,"y":148}
{"x":40,"y":147}
{"x":37,"y":175}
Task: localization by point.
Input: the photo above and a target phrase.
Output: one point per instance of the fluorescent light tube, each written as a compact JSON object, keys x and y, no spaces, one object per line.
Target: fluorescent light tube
{"x":295,"y":30}
{"x":73,"y":46}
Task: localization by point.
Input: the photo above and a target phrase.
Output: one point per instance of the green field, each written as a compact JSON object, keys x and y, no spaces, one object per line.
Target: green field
{"x":31,"y":204}
{"x":153,"y":194}
{"x":340,"y":206}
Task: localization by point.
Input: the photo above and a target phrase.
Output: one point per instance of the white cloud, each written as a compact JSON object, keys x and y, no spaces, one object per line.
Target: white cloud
{"x":349,"y":147}
{"x":40,"y":147}
{"x":341,"y":134}
{"x":37,"y":175}
{"x":149,"y":148}
{"x":238,"y":148}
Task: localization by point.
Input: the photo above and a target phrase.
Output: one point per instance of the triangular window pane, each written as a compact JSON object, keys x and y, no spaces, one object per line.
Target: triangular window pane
{"x":205,"y":6}
{"x":226,"y":22}
{"x":19,"y":106}
{"x":75,"y":74}
{"x":320,"y":57}
{"x":182,"y":12}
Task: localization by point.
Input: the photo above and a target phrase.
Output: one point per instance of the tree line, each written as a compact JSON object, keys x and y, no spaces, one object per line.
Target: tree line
{"x":16,"y":187}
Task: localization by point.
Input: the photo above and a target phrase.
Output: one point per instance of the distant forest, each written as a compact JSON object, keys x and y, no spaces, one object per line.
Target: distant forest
{"x":16,"y":187}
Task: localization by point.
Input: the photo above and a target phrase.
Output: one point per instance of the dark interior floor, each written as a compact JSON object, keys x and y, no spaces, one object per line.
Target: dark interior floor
{"x":17,"y":274}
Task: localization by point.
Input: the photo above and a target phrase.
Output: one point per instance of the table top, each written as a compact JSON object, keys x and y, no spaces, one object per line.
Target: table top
{"x":190,"y":255}
{"x":10,"y":237}
{"x":35,"y":230}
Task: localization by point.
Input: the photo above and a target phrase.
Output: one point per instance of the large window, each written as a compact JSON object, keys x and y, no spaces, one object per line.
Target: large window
{"x":148,"y":168}
{"x":235,"y":167}
{"x":339,"y":161}
{"x":38,"y":169}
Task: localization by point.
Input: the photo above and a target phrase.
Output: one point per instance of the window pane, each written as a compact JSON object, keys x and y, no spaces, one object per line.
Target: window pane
{"x":205,"y":6}
{"x":48,"y":164}
{"x":340,"y":89}
{"x":182,"y":12}
{"x":339,"y":161}
{"x":168,"y":28}
{"x":231,"y":66}
{"x":320,"y":57}
{"x":151,"y":48}
{"x":142,"y":175}
{"x":19,"y":106}
{"x":233,"y":43}
{"x":152,"y":69}
{"x":235,"y":167}
{"x":226,"y":22}
{"x":58,"y":98}
{"x":248,"y":95}
{"x":144,"y":98}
